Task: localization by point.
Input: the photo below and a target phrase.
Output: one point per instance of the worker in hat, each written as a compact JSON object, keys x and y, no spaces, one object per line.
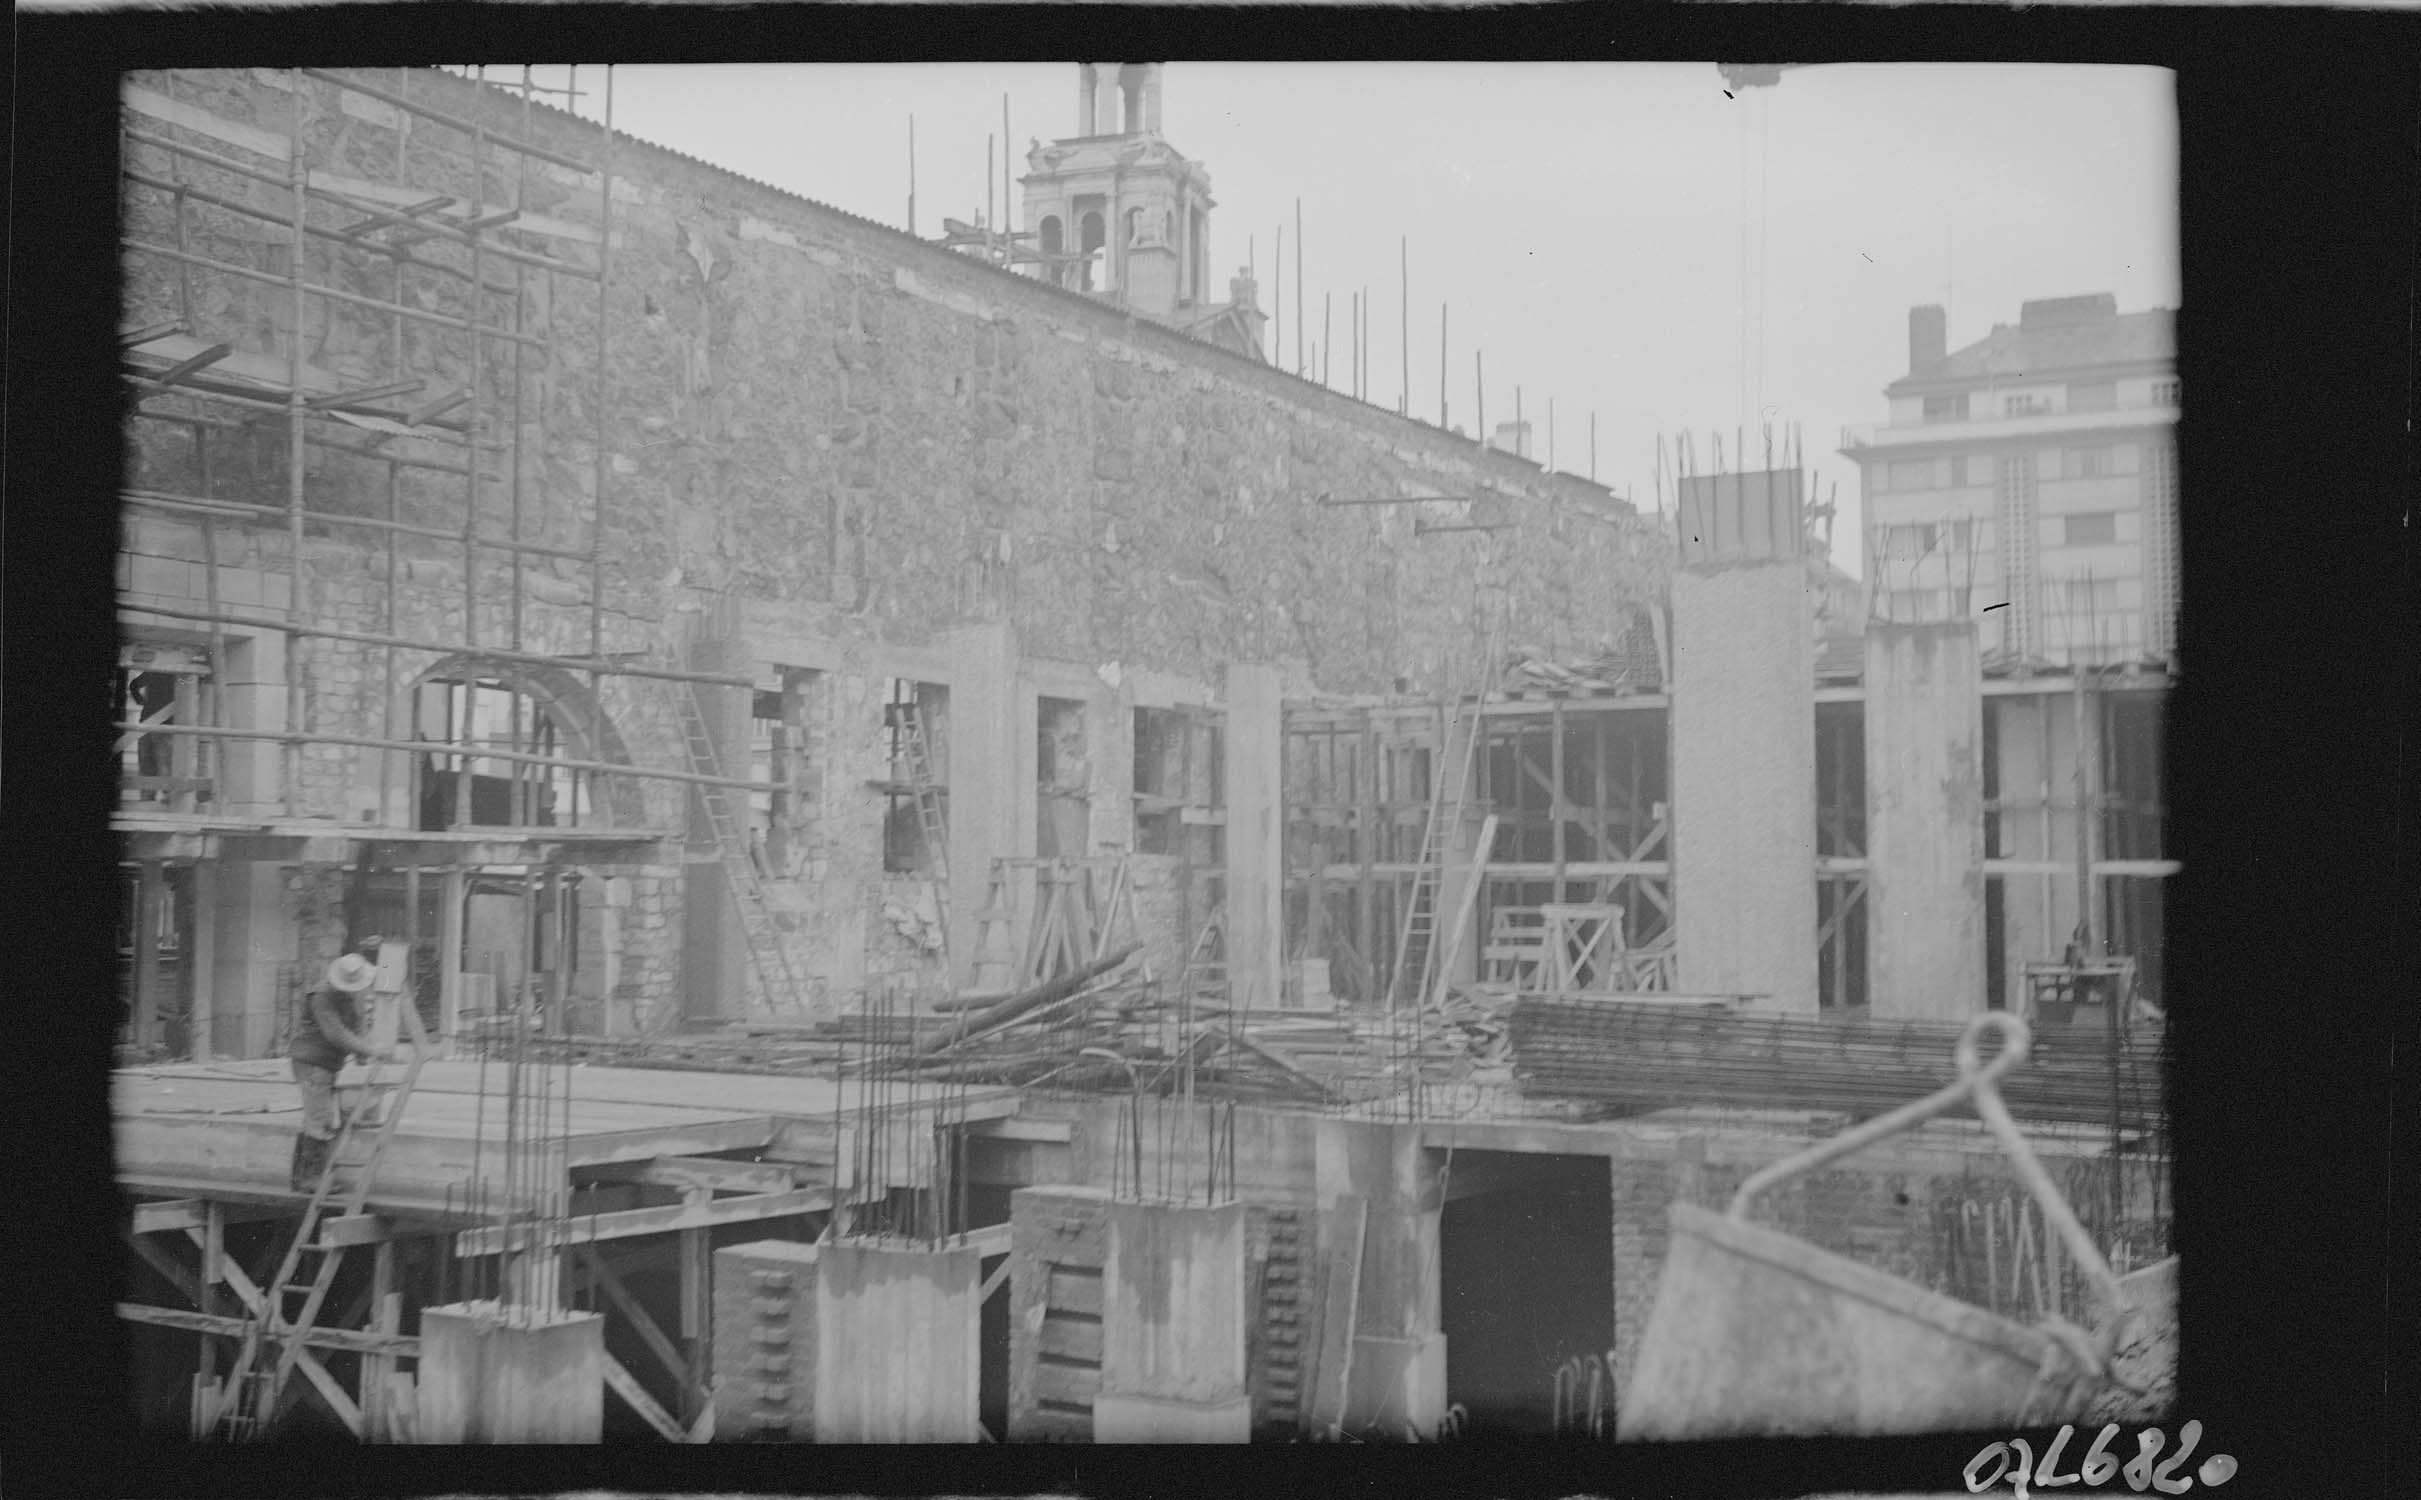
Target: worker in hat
{"x":332,"y":1031}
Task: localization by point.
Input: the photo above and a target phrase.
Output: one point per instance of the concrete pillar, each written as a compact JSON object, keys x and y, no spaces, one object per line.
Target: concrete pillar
{"x":764,"y":1341}
{"x":252,"y":695}
{"x":991,"y":748}
{"x":1106,"y":103}
{"x":1085,"y":85}
{"x":1744,"y":746}
{"x":1924,"y":821}
{"x":896,"y":1356}
{"x":1172,"y":1326}
{"x":533,"y":1377}
{"x":1256,"y":873}
{"x":252,"y":933}
{"x":1398,"y":1373}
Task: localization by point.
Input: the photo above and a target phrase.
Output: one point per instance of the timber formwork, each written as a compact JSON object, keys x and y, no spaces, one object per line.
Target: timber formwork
{"x":616,"y":1208}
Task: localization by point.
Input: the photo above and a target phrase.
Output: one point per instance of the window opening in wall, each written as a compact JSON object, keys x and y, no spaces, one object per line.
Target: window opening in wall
{"x":2164,"y":393}
{"x":2026,"y":405}
{"x":2089,"y":529}
{"x":916,"y":741}
{"x":155,"y":979}
{"x":2093,"y":395}
{"x":1092,"y":233}
{"x":1063,"y":776}
{"x":2087,"y":463}
{"x":1178,"y":774}
{"x":457,"y":790}
{"x":2133,"y":818}
{"x":161,"y":684}
{"x":1912,"y":474}
{"x":1946,"y":408}
{"x":1840,"y":855}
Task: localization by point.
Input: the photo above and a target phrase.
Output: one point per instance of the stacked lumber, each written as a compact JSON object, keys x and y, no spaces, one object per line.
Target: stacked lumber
{"x":1644,"y":1057}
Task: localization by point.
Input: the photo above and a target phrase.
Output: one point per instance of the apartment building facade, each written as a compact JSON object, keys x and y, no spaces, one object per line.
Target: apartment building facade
{"x":2028,"y":481}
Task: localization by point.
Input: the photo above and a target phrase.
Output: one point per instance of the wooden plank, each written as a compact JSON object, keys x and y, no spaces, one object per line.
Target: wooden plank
{"x":346,"y":1340}
{"x":179,"y":1214}
{"x":175,"y":1275}
{"x":671,"y":1219}
{"x":1075,"y":1384}
{"x":993,"y":1282}
{"x":1070,"y":1338}
{"x":1332,"y":1371}
{"x":1074,"y":1289}
{"x":991,"y":1240}
{"x":1015,"y":1129}
{"x":695,"y":1171}
{"x":626,"y":1385}
{"x":604,"y":1277}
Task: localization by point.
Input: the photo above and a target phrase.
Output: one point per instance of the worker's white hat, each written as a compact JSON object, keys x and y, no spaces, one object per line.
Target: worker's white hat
{"x":352,"y":973}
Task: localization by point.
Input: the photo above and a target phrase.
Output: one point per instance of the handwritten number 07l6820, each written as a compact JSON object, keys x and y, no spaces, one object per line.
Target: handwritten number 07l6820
{"x":2013,"y":1462}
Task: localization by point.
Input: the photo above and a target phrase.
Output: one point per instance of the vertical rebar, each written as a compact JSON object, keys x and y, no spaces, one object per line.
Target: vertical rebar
{"x":521,"y":192}
{"x":596,"y":520}
{"x":470,"y":505}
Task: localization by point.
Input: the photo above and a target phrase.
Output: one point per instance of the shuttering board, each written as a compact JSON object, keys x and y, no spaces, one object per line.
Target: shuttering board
{"x":1339,"y":1305}
{"x":1280,"y":1348}
{"x":1058,"y":1243}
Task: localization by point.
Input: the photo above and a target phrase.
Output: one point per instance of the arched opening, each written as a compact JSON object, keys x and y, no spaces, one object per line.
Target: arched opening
{"x":468,"y":706}
{"x":1091,"y":235}
{"x":1052,"y":237}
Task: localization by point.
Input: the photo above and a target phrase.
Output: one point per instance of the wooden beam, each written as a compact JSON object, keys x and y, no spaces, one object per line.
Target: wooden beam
{"x":602,"y":1276}
{"x":662,"y":1220}
{"x":992,"y":1283}
{"x":345,"y":1340}
{"x":179,"y":1214}
{"x":344,"y":1231}
{"x":992,"y":1239}
{"x":1011,"y":1128}
{"x":175,"y":1275}
{"x":704,"y":1172}
{"x":626,"y":1385}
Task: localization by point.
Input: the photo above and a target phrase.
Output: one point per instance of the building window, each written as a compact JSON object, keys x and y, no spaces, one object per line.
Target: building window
{"x":2164,"y":393}
{"x":160,"y":684}
{"x":1913,"y":474}
{"x":1946,"y":408}
{"x":2025,"y":405}
{"x":2090,"y":596}
{"x":781,"y":815}
{"x":1063,"y":779}
{"x":2093,"y":395}
{"x":2095,"y":529}
{"x":460,"y":788}
{"x":916,"y":740}
{"x":1177,"y":779}
{"x":2086,"y":463}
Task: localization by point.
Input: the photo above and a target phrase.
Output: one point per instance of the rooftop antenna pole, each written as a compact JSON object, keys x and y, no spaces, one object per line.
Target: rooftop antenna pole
{"x":1298,"y":286}
{"x":988,"y":208}
{"x":1441,"y":366}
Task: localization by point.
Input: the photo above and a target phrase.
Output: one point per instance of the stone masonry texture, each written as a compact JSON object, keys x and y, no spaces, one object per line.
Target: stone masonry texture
{"x":813,"y":423}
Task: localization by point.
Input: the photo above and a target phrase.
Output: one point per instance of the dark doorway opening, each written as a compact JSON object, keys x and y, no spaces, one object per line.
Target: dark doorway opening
{"x":1526,"y":1281}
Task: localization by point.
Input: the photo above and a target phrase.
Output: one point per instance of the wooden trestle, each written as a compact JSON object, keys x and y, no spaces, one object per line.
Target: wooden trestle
{"x":652,"y":1162}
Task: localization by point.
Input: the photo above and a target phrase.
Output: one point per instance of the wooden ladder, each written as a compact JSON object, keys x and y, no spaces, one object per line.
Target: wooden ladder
{"x":995,"y":964}
{"x":251,"y":1391}
{"x":1449,"y":798}
{"x":766,"y":952}
{"x":916,"y":749}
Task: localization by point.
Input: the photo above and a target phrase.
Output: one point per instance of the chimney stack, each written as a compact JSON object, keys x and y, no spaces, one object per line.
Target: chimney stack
{"x":1928,"y":337}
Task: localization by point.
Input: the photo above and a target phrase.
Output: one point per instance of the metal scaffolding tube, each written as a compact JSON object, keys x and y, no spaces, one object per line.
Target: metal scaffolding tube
{"x":207,"y":390}
{"x":498,"y":654}
{"x":441,"y":117}
{"x":272,"y":278}
{"x":313,"y":435}
{"x":162,"y":500}
{"x":465,"y":747}
{"x":394,"y":253}
{"x":291,"y":764}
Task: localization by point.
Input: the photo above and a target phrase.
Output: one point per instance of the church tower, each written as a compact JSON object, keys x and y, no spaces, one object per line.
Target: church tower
{"x":1115,"y":210}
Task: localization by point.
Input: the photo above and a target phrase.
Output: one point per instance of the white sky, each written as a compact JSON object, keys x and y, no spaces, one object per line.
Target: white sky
{"x":1584,"y":223}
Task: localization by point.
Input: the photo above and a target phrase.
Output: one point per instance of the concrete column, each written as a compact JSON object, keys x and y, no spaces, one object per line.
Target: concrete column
{"x":1924,"y":821}
{"x":1107,"y":106}
{"x":895,"y":1344}
{"x":1398,"y":1374}
{"x":252,"y":695}
{"x":1256,"y":874}
{"x":1744,"y":747}
{"x":531,"y":1378}
{"x":991,"y":747}
{"x":1085,"y":86}
{"x":202,"y":1038}
{"x":1172,"y":1326}
{"x":252,"y":933}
